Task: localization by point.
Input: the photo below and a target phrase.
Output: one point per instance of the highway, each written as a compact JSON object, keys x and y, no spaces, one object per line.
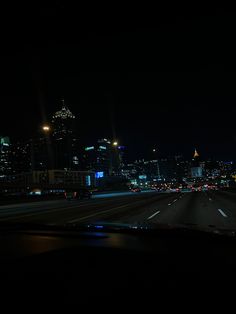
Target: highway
{"x":203,"y":209}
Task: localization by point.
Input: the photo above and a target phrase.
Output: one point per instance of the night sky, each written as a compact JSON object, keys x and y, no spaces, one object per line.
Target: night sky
{"x":166,"y":79}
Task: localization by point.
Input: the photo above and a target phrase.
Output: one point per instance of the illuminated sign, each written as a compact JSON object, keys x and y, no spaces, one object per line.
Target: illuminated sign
{"x":142,"y":177}
{"x":102,"y":147}
{"x":89,"y":148}
{"x":99,"y":174}
{"x":88,"y":180}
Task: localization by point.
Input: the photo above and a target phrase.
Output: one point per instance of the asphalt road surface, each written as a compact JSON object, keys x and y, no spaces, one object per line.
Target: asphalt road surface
{"x":204,"y":209}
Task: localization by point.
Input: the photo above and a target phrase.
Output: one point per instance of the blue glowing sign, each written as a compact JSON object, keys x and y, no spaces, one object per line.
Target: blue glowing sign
{"x":99,"y":227}
{"x":89,"y":148}
{"x":99,"y":174}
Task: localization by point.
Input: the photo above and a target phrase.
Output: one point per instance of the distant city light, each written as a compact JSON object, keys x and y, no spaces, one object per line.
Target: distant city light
{"x":115,"y":143}
{"x":89,"y":148}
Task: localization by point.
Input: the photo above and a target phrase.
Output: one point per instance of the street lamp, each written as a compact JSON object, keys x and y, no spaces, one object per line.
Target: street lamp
{"x":158,"y":168}
{"x":46,"y":128}
{"x":114,"y":157}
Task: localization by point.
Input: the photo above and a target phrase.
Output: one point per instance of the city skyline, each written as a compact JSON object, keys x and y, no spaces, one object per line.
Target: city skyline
{"x":83,"y":141}
{"x":48,"y":162}
{"x":171,"y":84}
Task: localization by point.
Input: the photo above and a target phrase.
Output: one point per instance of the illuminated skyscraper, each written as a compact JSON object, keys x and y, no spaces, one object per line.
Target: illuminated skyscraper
{"x":104,"y":157}
{"x":63,"y":122}
{"x":5,"y":159}
{"x":64,"y":139}
{"x":98,"y":158}
{"x":196,"y":169}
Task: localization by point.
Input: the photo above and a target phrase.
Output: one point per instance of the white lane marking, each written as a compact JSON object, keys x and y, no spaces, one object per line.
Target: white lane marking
{"x":173,"y":202}
{"x":222,"y":213}
{"x":154,"y":214}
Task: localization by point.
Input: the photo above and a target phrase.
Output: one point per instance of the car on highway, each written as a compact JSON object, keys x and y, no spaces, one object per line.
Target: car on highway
{"x":196,"y":189}
{"x":78,"y":194}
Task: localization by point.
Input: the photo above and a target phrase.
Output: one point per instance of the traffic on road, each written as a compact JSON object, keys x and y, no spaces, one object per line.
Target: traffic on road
{"x":209,"y":209}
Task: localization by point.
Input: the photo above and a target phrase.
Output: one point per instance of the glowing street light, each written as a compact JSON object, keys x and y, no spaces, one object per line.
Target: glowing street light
{"x":115,"y":143}
{"x":46,"y":128}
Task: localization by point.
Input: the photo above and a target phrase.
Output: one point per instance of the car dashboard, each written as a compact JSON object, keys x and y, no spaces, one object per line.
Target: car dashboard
{"x":78,"y":267}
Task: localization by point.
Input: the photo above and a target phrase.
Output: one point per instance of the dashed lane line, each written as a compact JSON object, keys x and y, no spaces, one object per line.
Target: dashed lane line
{"x":222,"y":213}
{"x":156,"y":213}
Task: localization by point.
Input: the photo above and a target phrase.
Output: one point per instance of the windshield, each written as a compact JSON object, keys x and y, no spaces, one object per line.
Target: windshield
{"x":119,"y":123}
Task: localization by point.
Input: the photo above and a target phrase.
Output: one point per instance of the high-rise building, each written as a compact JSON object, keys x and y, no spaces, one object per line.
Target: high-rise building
{"x":98,"y":158}
{"x":196,"y":168}
{"x":5,"y":158}
{"x":182,"y":168}
{"x":41,"y":154}
{"x":225,"y":167}
{"x":167,"y":169}
{"x":117,"y":159}
{"x":130,"y":171}
{"x":32,"y":155}
{"x":21,"y":157}
{"x":65,"y":142}
{"x":212,"y":169}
